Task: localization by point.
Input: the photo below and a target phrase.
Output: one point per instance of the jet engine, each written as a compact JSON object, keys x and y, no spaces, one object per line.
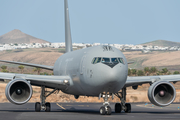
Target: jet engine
{"x":18,"y":91}
{"x":161,"y":93}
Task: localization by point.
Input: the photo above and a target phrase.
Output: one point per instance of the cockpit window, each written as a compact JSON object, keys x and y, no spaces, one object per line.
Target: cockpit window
{"x":121,"y":60}
{"x":93,"y":61}
{"x":105,"y":60}
{"x":114,"y":60}
{"x":96,"y":60}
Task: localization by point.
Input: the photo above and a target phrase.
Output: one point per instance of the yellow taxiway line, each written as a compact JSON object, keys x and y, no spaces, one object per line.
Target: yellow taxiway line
{"x":71,"y":105}
{"x":60,"y":106}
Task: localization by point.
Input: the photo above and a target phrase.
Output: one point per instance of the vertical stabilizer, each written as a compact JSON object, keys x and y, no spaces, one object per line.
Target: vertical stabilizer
{"x":68,"y":40}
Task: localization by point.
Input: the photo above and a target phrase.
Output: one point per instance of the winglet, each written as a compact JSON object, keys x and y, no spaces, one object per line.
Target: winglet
{"x":68,"y":40}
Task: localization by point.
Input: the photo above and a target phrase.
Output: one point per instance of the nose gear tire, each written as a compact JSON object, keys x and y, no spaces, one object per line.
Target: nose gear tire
{"x":102,"y":110}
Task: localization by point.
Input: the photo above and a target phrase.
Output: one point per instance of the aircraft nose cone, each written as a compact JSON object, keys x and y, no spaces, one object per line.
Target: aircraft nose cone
{"x":113,"y":76}
{"x":113,"y":79}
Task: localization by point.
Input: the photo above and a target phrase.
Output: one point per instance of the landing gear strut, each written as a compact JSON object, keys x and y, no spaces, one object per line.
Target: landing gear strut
{"x":123,"y":105}
{"x":44,"y":105}
{"x":105,"y":109}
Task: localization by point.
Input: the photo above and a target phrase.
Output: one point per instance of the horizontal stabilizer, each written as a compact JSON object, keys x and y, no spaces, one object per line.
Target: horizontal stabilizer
{"x":29,"y":64}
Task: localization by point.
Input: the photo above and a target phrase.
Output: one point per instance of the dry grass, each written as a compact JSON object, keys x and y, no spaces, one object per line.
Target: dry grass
{"x":48,"y":56}
{"x":36,"y":56}
{"x":154,"y":59}
{"x":163,"y":59}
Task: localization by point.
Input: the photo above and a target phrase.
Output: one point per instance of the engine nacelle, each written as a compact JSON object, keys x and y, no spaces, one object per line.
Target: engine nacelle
{"x":161,"y":93}
{"x":18,"y":91}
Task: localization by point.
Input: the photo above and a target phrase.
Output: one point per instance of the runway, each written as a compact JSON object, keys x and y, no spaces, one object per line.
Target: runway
{"x":81,"y":111}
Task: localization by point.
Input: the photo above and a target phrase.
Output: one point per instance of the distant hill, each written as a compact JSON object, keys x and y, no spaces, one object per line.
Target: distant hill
{"x":163,"y":43}
{"x":16,"y":36}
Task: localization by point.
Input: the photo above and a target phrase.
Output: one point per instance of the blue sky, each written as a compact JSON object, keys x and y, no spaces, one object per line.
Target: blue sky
{"x":100,"y":21}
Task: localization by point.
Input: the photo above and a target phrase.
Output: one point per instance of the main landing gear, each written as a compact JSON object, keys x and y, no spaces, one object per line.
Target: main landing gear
{"x":123,"y":105}
{"x":44,"y":105}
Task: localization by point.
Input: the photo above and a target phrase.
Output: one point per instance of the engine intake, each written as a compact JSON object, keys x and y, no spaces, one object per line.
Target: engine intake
{"x":18,"y":91}
{"x":161,"y":93}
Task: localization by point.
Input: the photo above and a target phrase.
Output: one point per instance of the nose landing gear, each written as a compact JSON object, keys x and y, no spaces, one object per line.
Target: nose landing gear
{"x":105,"y":109}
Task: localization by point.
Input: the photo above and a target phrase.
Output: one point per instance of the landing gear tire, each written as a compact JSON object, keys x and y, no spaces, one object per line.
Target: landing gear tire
{"x":44,"y":106}
{"x":118,"y":108}
{"x":48,"y":107}
{"x":108,"y":112}
{"x":37,"y":107}
{"x":105,"y":110}
{"x":127,"y":108}
{"x":102,"y":110}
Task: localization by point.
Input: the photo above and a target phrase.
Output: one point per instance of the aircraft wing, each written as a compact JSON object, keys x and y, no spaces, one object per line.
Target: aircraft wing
{"x":29,"y":64}
{"x":139,"y":80}
{"x":61,"y":82}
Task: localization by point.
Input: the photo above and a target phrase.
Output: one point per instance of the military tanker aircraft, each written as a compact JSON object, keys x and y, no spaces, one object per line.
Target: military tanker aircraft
{"x":99,"y":71}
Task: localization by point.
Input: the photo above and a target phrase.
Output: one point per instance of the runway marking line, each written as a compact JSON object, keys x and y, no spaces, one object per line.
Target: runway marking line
{"x":68,"y":105}
{"x":60,"y":106}
{"x":165,"y":108}
{"x":148,"y":106}
{"x":79,"y":105}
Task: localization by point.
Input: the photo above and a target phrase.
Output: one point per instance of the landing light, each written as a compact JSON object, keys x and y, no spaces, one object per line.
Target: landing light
{"x":66,"y":81}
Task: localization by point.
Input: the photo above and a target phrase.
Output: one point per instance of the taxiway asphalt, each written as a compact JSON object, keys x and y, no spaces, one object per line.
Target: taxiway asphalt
{"x":87,"y":111}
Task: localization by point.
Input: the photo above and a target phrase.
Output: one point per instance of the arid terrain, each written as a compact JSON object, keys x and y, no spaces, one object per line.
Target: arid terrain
{"x":159,"y":59}
{"x":48,"y":56}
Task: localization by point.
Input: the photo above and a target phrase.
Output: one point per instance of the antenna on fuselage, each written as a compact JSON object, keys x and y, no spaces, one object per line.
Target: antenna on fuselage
{"x":68,"y":41}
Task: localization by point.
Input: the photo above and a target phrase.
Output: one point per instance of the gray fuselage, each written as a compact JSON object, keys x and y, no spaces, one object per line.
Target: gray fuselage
{"x":90,"y":78}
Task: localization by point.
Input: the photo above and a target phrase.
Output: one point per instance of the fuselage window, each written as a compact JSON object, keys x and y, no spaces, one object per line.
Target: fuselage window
{"x":105,"y":60}
{"x":114,"y":60}
{"x":121,"y":60}
{"x":96,"y":60}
